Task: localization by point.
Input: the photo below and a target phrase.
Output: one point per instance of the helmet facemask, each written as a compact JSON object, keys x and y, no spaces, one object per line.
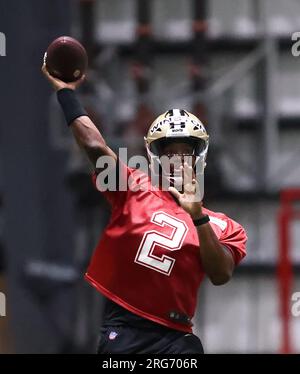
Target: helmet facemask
{"x":176,"y":126}
{"x":168,"y":164}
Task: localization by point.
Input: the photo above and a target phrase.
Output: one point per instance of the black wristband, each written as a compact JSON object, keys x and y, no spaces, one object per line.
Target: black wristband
{"x":70,"y":105}
{"x":201,"y":221}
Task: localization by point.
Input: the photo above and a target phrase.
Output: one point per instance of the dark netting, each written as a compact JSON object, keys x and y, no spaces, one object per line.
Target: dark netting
{"x":2,"y":260}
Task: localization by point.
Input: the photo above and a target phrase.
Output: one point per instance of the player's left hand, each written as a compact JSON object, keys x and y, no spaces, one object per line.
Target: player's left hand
{"x":189,"y":199}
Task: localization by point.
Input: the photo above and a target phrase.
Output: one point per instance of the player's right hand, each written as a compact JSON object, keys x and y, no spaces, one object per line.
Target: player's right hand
{"x":58,"y":84}
{"x":190,"y":197}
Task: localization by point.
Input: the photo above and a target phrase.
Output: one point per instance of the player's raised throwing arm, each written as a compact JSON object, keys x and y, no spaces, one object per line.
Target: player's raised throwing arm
{"x":85,"y":132}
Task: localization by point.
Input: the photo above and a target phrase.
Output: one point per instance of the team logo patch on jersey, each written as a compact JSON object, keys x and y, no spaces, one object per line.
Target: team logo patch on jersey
{"x":112,"y":335}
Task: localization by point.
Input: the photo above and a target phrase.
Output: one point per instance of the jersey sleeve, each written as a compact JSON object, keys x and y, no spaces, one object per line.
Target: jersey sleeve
{"x":234,"y":238}
{"x":113,"y":183}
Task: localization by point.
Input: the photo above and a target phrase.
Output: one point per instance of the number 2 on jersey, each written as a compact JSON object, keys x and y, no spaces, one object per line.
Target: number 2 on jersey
{"x":153,"y":238}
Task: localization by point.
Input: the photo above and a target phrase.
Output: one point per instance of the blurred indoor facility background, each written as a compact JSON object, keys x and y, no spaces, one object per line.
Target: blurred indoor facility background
{"x":228,"y":61}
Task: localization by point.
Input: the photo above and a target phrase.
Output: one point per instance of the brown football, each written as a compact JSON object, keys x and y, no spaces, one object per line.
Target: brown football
{"x":66,"y":59}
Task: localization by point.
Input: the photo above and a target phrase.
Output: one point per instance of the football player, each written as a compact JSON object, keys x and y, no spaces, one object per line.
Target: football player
{"x":159,"y":244}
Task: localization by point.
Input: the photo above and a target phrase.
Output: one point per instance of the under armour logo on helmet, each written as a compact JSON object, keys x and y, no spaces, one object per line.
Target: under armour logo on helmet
{"x":177,"y":125}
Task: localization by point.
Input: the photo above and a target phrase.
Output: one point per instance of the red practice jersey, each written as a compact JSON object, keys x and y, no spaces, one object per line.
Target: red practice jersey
{"x":148,"y":258}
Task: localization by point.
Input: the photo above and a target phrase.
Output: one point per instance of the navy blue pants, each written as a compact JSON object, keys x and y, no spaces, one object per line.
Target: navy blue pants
{"x":135,"y":340}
